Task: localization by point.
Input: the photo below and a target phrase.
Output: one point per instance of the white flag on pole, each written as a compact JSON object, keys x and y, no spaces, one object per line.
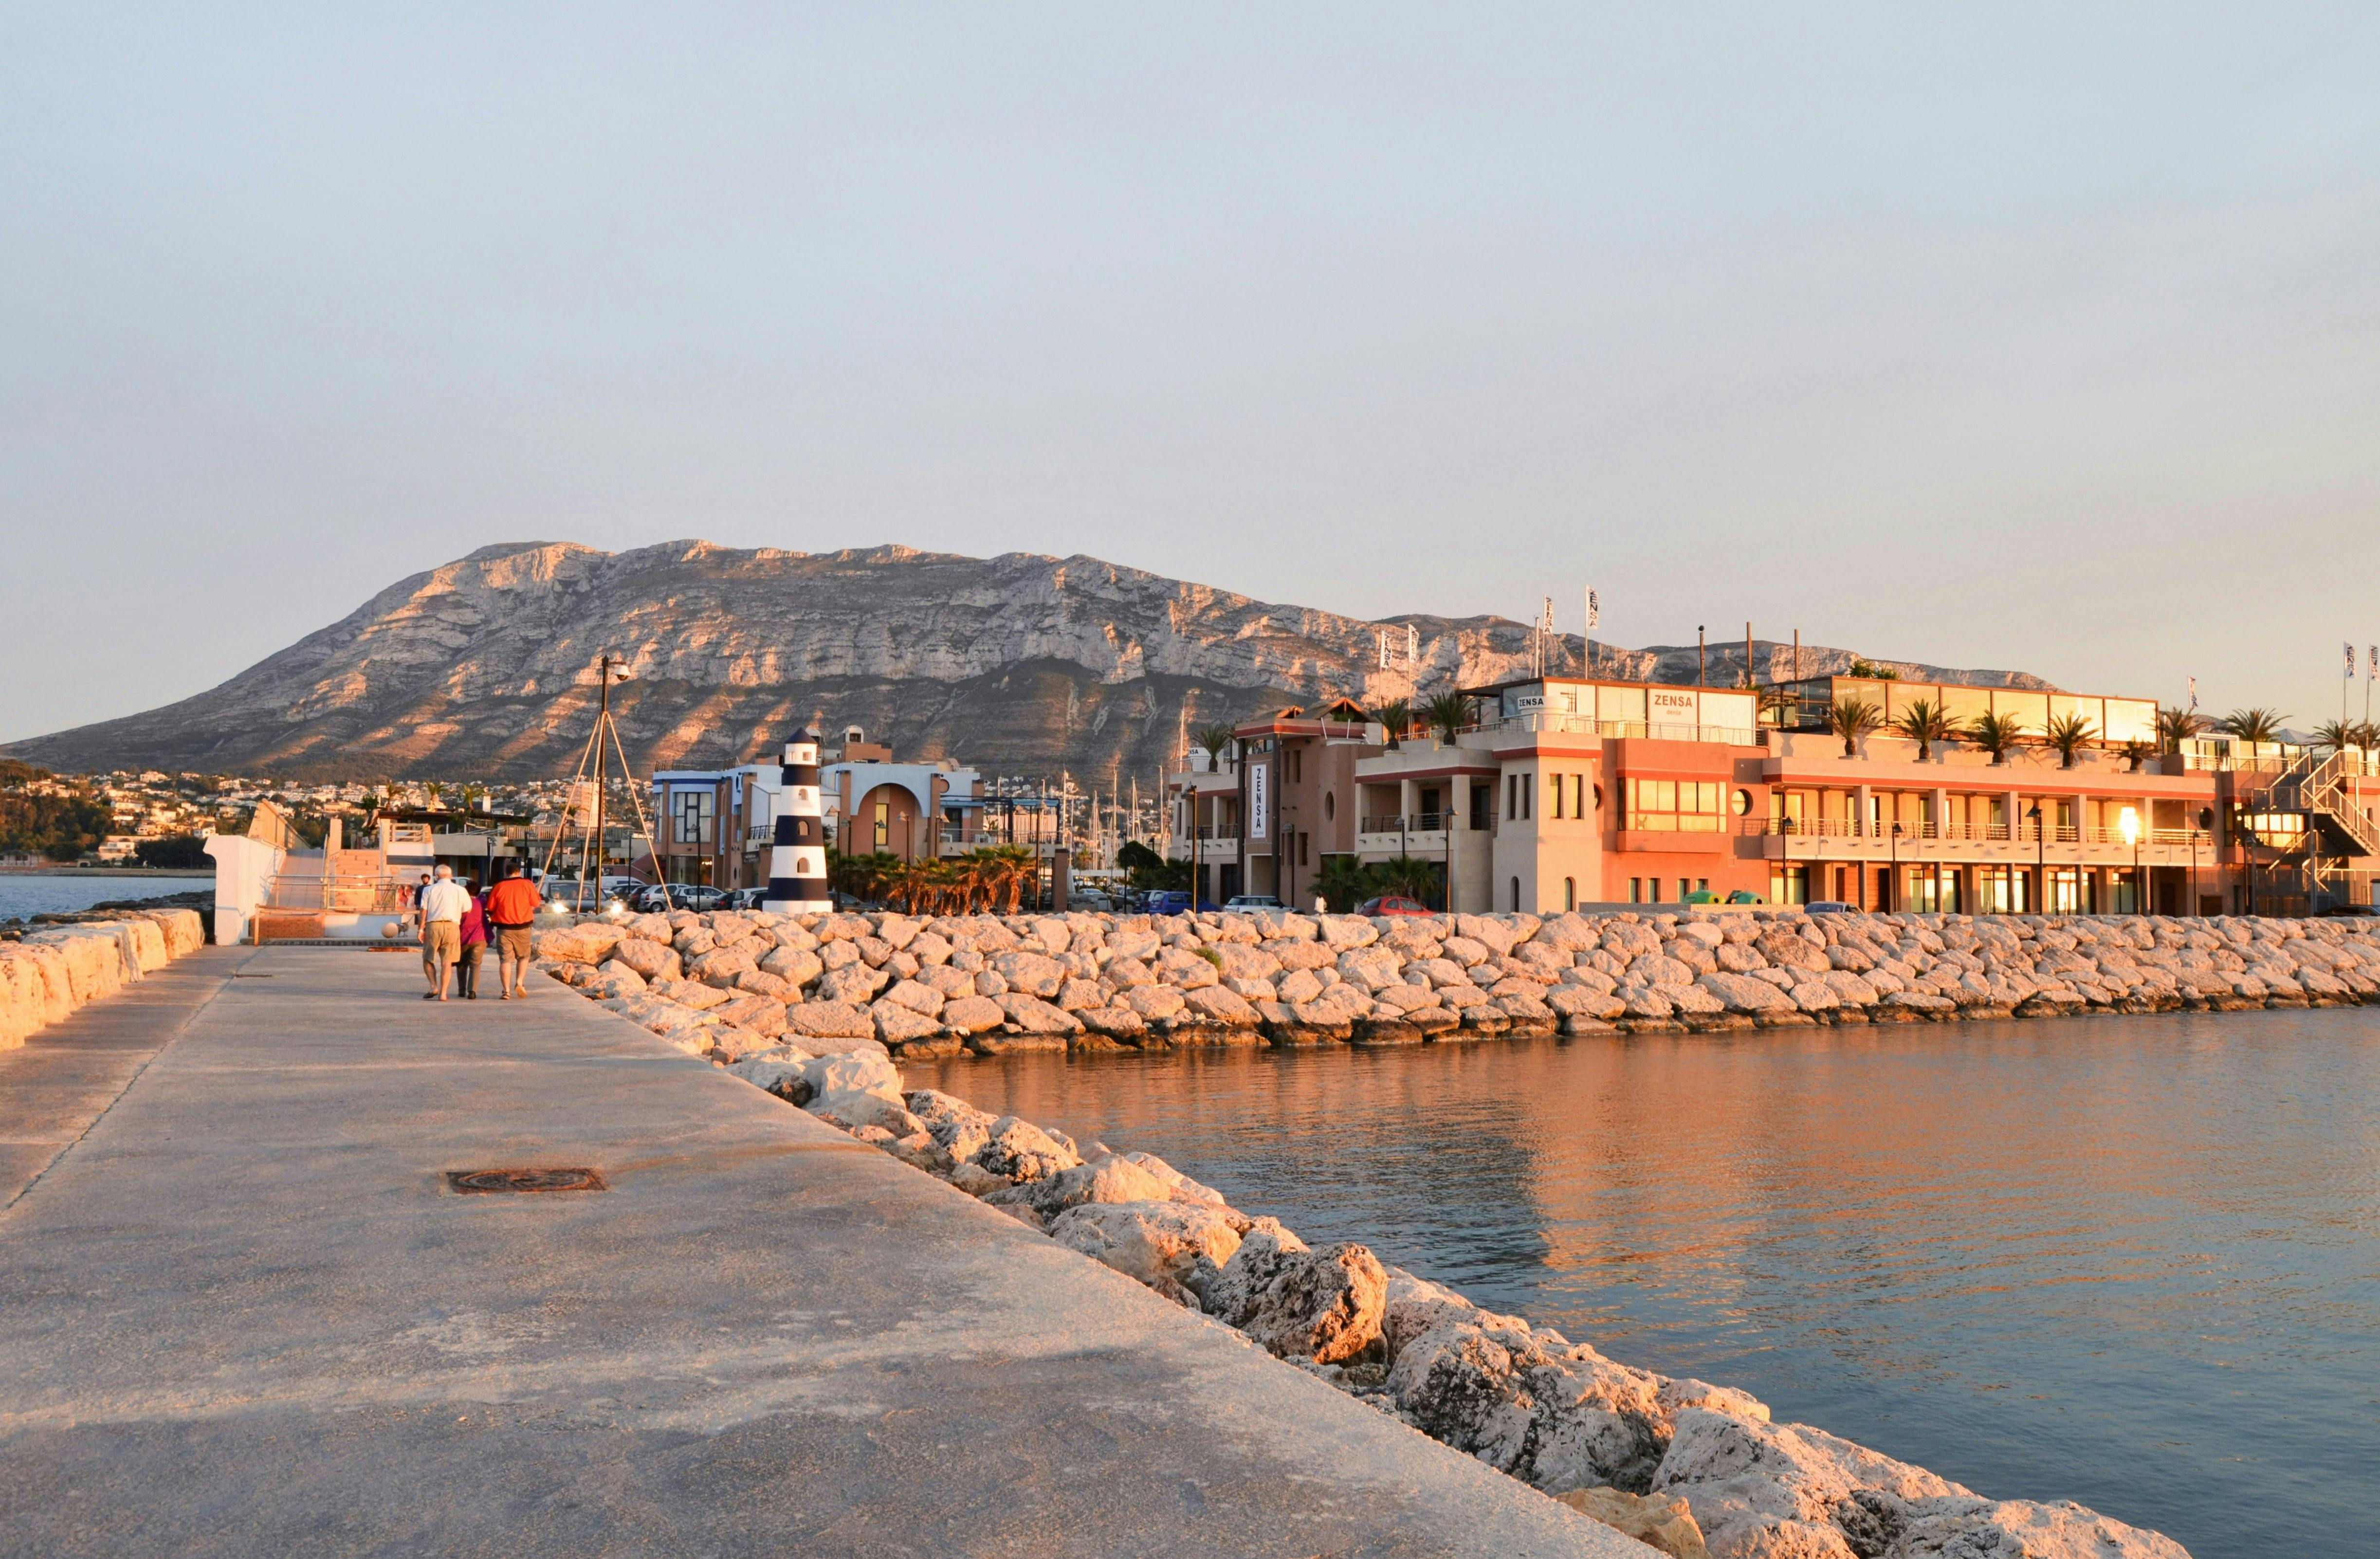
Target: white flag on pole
{"x":2194,"y":695}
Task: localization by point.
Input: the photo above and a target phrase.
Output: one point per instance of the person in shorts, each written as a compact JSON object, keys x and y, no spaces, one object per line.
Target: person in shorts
{"x":511,"y":906}
{"x":443,"y":904}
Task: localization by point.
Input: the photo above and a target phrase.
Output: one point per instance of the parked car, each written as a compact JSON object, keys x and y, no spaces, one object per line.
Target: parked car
{"x":663,"y":896}
{"x":746,"y":899}
{"x":1172,"y":902}
{"x":1393,"y":904}
{"x":1250,"y":903}
{"x":1830,"y":907}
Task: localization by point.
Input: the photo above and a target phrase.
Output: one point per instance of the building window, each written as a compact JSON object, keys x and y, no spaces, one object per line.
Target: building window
{"x":692,"y":814}
{"x":883,"y":824}
{"x":1511,"y":797}
{"x":1554,"y":790}
{"x":1636,"y":890}
{"x":1570,"y":893}
{"x":1789,"y":885}
{"x":1516,"y":895}
{"x":1301,"y":848}
{"x":1329,"y":805}
{"x":1681,"y":807}
{"x":1483,"y":798}
{"x":1528,"y":797}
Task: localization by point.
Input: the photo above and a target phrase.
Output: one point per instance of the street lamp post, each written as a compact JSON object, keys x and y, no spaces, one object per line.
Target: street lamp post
{"x":2206,"y":822}
{"x":1892,"y":889}
{"x":2131,"y":824}
{"x":2040,"y":860}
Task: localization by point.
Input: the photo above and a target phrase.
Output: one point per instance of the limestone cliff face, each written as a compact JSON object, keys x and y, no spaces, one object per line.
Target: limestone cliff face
{"x":1019,"y":664}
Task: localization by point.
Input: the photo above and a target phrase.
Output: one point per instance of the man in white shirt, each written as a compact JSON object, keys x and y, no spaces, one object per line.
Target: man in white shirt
{"x":442,"y":906}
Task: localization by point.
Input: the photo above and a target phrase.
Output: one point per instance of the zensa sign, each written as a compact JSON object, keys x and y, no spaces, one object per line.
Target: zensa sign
{"x":1668,"y":706}
{"x":1259,"y":800}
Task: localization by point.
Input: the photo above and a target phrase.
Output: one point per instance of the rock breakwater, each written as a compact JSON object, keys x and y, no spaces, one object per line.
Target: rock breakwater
{"x":733,"y":985}
{"x":816,"y":1009}
{"x":52,"y":971}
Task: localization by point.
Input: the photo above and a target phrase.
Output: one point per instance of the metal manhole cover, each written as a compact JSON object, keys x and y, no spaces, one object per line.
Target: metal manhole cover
{"x":473,"y":1181}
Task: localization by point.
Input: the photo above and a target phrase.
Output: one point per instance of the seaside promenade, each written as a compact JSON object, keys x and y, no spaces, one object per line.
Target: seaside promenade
{"x":243,"y":1312}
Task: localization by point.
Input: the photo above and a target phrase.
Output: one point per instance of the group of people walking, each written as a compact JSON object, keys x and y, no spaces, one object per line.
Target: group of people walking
{"x":458,"y":923}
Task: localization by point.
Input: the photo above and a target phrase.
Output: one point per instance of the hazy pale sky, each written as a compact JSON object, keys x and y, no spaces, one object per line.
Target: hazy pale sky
{"x":2039,"y":336}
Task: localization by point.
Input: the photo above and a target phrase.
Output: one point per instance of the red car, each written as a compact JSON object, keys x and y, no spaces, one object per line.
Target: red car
{"x":1393,"y":904}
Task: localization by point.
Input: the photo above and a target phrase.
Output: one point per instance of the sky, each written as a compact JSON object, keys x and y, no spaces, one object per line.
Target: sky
{"x":2023,"y":336}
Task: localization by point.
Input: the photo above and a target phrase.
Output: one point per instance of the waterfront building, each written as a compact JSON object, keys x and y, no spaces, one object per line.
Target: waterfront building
{"x":715,"y":827}
{"x":1566,"y":792}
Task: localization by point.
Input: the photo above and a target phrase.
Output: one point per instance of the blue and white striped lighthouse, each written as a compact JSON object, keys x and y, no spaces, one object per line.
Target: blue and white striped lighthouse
{"x":797,"y":852}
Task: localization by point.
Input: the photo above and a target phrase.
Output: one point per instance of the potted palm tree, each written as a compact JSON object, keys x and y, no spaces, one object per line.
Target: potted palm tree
{"x":2137,"y":752}
{"x":1447,"y":714}
{"x":2069,"y":734}
{"x":1396,"y":717}
{"x":1850,"y":719}
{"x":2254,"y":724}
{"x":1214,"y":741}
{"x":2177,"y":726}
{"x":1996,"y":734}
{"x":1925,"y":723}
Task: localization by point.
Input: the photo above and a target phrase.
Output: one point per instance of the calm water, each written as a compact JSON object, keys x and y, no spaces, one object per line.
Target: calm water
{"x":22,"y":896}
{"x":2131,"y":1262}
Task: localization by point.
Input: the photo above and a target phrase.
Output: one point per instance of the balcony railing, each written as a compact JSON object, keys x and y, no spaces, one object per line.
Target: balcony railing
{"x":1978,"y":833}
{"x":1582,"y":725}
{"x":1415,"y":823}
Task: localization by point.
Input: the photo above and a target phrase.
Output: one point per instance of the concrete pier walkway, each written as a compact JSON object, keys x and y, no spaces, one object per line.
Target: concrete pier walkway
{"x":243,"y":1313}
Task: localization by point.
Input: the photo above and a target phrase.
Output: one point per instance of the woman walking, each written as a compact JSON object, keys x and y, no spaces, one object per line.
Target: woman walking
{"x":474,"y":947}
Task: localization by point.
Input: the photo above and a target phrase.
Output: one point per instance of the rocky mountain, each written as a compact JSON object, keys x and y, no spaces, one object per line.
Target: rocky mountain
{"x":1018,"y":664}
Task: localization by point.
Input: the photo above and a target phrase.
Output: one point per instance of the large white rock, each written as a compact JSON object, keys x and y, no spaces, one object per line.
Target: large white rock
{"x":1180,"y":1242}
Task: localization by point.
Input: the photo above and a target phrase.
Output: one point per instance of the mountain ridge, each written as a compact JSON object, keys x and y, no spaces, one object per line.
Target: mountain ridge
{"x":1021,"y":663}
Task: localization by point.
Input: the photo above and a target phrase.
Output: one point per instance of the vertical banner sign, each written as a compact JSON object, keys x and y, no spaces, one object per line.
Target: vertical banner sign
{"x":1259,"y":800}
{"x":1594,"y":610}
{"x":1413,"y":644}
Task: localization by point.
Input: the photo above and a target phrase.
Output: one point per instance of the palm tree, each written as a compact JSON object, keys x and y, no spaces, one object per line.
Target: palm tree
{"x":1925,"y":723}
{"x":1396,"y":717}
{"x":1996,"y":733}
{"x":2069,"y":734}
{"x":1343,"y":882}
{"x":1447,"y":714}
{"x":1853,"y":718}
{"x":2177,"y":726}
{"x":2339,"y":735}
{"x":2254,"y":724}
{"x":2367,"y":735}
{"x":2138,"y":752}
{"x":1408,"y":875}
{"x":1214,"y":740}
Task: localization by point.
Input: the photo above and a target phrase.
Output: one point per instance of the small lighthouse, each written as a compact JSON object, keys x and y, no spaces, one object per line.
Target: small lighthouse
{"x":797,"y":852}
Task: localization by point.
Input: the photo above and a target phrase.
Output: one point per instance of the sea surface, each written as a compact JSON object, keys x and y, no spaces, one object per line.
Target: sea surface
{"x":2132,"y":1262}
{"x":34,"y":895}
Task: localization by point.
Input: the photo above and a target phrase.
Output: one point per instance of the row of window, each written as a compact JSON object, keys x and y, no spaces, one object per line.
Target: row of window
{"x":1647,"y":890}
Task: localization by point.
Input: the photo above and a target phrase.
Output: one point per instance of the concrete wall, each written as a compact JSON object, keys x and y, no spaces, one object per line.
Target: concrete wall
{"x":55,"y":971}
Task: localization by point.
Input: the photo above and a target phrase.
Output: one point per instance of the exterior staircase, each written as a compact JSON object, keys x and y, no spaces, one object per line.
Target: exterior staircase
{"x":2317,"y":787}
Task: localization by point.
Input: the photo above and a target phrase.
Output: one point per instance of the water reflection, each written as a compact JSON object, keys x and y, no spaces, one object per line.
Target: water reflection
{"x":2129,"y":1262}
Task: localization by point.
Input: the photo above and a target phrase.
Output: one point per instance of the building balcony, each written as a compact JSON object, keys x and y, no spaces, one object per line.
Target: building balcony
{"x":1213,"y":845}
{"x":1846,"y":839}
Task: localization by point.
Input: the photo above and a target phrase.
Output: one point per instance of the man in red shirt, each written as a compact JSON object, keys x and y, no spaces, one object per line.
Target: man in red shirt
{"x":511,"y":905}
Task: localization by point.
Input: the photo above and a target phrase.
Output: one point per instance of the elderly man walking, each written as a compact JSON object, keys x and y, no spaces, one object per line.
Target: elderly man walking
{"x":443,"y":904}
{"x":511,"y":906}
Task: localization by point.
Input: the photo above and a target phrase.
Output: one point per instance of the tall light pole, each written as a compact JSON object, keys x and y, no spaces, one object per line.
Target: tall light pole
{"x":1892,"y":893}
{"x":2205,"y":824}
{"x":2040,"y":859}
{"x":2131,"y":824}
